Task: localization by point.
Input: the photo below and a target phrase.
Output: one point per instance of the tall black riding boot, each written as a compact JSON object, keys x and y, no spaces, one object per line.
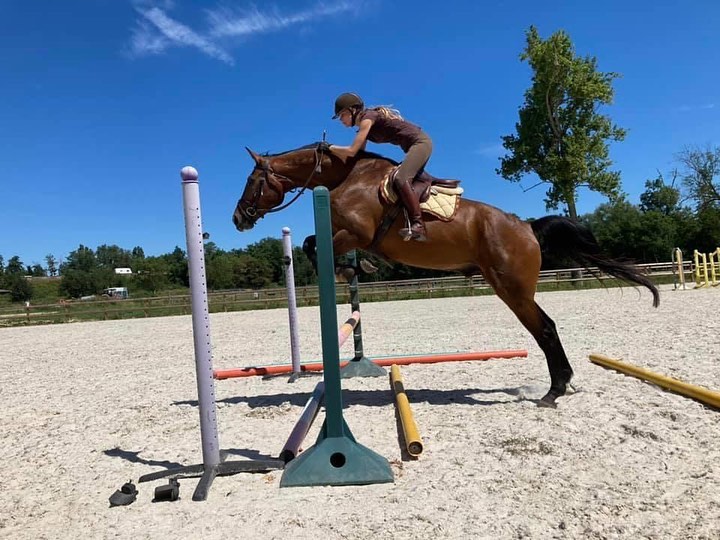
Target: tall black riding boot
{"x":410,"y":201}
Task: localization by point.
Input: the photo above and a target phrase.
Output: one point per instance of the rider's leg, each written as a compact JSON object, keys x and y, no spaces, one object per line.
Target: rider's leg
{"x":415,"y":160}
{"x":411,"y":203}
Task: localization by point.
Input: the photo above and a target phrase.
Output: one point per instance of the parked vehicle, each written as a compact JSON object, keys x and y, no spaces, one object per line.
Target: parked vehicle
{"x":120,"y":293}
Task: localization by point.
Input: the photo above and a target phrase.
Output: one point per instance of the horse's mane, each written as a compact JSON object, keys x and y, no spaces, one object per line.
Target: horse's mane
{"x":363,"y":154}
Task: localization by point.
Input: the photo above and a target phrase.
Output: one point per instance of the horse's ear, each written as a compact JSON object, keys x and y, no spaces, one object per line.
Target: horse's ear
{"x":253,"y":155}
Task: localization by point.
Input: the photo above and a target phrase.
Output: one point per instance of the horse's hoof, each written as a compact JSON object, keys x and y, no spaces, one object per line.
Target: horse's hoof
{"x":548,"y":401}
{"x":346,"y":273}
{"x":368,"y":267}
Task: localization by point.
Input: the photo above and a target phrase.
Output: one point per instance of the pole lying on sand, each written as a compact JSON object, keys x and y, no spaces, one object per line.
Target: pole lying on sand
{"x":302,"y":426}
{"x":413,"y":442}
{"x":400,"y":360}
{"x":307,"y":417}
{"x":709,"y":397}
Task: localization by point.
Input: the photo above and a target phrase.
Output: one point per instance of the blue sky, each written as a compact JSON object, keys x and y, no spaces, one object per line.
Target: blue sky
{"x":102,"y":102}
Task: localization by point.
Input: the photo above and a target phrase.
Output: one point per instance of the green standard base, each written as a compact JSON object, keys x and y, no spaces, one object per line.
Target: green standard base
{"x":362,"y":368}
{"x":337,"y":461}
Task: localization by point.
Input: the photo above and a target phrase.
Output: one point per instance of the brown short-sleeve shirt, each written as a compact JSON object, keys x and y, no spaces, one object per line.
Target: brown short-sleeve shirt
{"x":391,"y":130}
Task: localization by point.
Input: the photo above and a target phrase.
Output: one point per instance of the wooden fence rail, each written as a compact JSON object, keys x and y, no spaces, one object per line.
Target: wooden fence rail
{"x":236,"y":300}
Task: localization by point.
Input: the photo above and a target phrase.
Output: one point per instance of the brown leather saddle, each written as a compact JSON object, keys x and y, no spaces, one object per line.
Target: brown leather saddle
{"x":422,"y":183}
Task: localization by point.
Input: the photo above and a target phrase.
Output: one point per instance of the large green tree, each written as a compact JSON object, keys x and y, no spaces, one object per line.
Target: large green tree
{"x":561,"y":136}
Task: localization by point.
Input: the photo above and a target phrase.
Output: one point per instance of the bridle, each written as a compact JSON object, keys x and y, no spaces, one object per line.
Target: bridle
{"x":249,"y":209}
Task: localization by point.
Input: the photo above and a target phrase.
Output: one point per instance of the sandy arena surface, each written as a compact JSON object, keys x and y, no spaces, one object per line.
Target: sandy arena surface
{"x":89,"y":406}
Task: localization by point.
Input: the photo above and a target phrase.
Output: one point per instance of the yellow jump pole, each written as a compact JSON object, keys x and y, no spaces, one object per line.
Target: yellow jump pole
{"x":701,"y":271}
{"x":678,"y":260}
{"x":413,"y":442}
{"x":713,"y":264}
{"x":709,"y":397}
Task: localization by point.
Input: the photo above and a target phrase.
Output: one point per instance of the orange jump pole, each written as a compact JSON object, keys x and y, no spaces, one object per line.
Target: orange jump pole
{"x":399,"y":360}
{"x":709,"y":397}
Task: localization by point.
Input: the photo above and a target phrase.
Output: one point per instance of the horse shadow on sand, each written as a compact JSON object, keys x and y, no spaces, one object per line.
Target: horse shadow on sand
{"x":381,"y":398}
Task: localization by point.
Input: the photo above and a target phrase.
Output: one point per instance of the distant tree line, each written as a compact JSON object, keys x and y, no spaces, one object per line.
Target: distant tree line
{"x":644,"y":232}
{"x":86,"y":272}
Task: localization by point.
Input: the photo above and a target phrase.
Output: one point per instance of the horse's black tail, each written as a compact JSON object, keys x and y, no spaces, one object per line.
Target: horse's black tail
{"x":564,"y":239}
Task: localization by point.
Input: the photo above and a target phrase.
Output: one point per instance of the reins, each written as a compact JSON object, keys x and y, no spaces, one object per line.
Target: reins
{"x":317,"y":168}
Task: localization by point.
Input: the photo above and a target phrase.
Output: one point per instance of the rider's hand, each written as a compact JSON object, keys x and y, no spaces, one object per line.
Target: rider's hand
{"x":324,"y":147}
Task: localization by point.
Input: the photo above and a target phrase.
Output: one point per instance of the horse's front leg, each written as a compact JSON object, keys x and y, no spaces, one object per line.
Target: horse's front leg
{"x":309,"y":248}
{"x":343,"y":242}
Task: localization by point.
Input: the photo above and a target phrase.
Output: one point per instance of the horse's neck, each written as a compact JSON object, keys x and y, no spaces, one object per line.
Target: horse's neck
{"x":371,"y":169}
{"x":302,"y":172}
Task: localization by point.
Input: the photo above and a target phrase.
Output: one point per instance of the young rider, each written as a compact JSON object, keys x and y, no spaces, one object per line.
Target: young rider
{"x":385,"y":125}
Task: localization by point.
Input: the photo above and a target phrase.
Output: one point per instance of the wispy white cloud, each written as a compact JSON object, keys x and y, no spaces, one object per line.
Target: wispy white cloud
{"x":689,"y":108}
{"x":155,"y":31}
{"x":226,"y":22}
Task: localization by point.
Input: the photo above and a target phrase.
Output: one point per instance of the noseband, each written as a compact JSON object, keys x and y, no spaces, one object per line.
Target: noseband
{"x":249,"y":210}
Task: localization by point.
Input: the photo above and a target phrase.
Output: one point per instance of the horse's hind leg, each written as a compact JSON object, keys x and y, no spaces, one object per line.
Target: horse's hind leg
{"x":519,"y":296}
{"x":545,"y":333}
{"x":560,"y":371}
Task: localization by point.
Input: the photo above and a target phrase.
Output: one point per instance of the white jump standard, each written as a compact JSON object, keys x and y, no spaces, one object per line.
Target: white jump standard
{"x":213,"y":459}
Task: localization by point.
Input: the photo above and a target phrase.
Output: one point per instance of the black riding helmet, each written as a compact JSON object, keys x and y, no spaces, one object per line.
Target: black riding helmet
{"x":351,"y":101}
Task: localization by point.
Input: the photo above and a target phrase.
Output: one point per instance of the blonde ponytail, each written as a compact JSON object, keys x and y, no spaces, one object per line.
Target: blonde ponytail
{"x":388,"y":112}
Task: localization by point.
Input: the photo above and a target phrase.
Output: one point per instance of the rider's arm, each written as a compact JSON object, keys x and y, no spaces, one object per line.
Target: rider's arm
{"x":358,"y":144}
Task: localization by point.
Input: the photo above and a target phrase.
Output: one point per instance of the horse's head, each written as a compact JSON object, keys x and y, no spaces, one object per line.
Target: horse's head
{"x":262,"y":193}
{"x":273,"y":176}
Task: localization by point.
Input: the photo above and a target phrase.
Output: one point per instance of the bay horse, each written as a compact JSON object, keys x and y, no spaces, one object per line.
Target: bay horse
{"x":481,"y":239}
